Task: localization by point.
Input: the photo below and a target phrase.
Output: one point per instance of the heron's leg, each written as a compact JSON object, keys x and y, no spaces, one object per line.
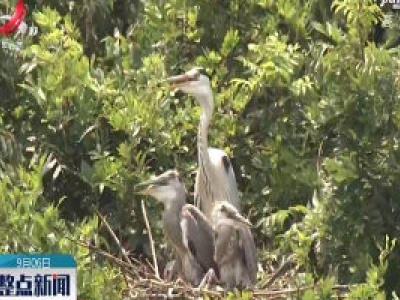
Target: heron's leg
{"x":171,"y":270}
{"x":208,"y":279}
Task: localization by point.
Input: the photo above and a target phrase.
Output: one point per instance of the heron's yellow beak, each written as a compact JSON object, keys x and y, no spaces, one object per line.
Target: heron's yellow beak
{"x":146,"y":187}
{"x":144,"y":192}
{"x":178,"y":80}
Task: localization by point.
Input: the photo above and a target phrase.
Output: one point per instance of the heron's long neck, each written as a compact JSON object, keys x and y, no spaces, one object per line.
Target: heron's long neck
{"x":171,"y":221}
{"x":202,"y":135}
{"x":206,"y":104}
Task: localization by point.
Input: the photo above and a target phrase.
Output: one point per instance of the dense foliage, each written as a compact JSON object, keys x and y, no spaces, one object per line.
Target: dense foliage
{"x":306,"y":104}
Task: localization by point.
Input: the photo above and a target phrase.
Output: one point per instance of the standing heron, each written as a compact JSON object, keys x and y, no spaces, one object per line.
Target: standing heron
{"x":185,"y":227}
{"x":235,"y":250}
{"x":215,"y":180}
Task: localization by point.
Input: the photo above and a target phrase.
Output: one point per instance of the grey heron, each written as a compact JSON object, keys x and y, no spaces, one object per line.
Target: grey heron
{"x":235,"y":250}
{"x":215,"y":180}
{"x":185,"y":227}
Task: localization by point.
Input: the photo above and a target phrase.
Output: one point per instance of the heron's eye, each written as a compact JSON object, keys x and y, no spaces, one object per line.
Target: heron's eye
{"x":196,"y":76}
{"x":202,"y":71}
{"x":163,"y":182}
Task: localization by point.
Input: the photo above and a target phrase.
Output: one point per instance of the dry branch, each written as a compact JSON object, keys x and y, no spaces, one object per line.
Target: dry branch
{"x":114,"y":236}
{"x":129,"y":267}
{"x":153,"y":251}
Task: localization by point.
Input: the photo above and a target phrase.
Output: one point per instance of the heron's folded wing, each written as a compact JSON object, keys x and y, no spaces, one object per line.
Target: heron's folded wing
{"x":199,"y":235}
{"x":249,"y":250}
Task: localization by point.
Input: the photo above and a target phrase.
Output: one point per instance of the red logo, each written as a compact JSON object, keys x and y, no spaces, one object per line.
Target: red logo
{"x":15,"y":20}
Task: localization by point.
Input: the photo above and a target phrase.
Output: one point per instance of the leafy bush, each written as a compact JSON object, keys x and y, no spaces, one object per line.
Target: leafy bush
{"x":306,"y":104}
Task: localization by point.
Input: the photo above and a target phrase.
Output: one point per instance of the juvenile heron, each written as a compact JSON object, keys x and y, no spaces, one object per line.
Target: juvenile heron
{"x":215,"y":180}
{"x":235,"y":250}
{"x":185,"y":227}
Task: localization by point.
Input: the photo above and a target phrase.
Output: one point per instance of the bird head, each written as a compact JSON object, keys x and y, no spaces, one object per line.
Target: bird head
{"x":166,"y":187}
{"x":225,"y":210}
{"x":194,"y":82}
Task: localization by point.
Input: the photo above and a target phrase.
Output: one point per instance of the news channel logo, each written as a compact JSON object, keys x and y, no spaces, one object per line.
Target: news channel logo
{"x":394,"y":4}
{"x":13,"y":28}
{"x":391,"y":13}
{"x":38,"y":276}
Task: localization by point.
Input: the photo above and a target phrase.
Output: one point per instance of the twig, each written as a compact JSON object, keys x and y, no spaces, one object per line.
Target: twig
{"x":153,"y":251}
{"x":121,"y":263}
{"x":281,"y":292}
{"x":319,"y":158}
{"x":115,"y":238}
{"x":295,"y":290}
{"x":285,"y":267}
{"x":179,"y":288}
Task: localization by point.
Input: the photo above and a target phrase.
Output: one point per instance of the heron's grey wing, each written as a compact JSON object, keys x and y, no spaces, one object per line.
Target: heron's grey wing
{"x":198,"y":235}
{"x":249,"y":251}
{"x":191,"y":269}
{"x":223,"y":170}
{"x":224,"y":232}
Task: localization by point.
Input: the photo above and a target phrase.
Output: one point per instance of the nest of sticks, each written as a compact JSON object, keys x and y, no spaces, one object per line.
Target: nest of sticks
{"x":143,"y":278}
